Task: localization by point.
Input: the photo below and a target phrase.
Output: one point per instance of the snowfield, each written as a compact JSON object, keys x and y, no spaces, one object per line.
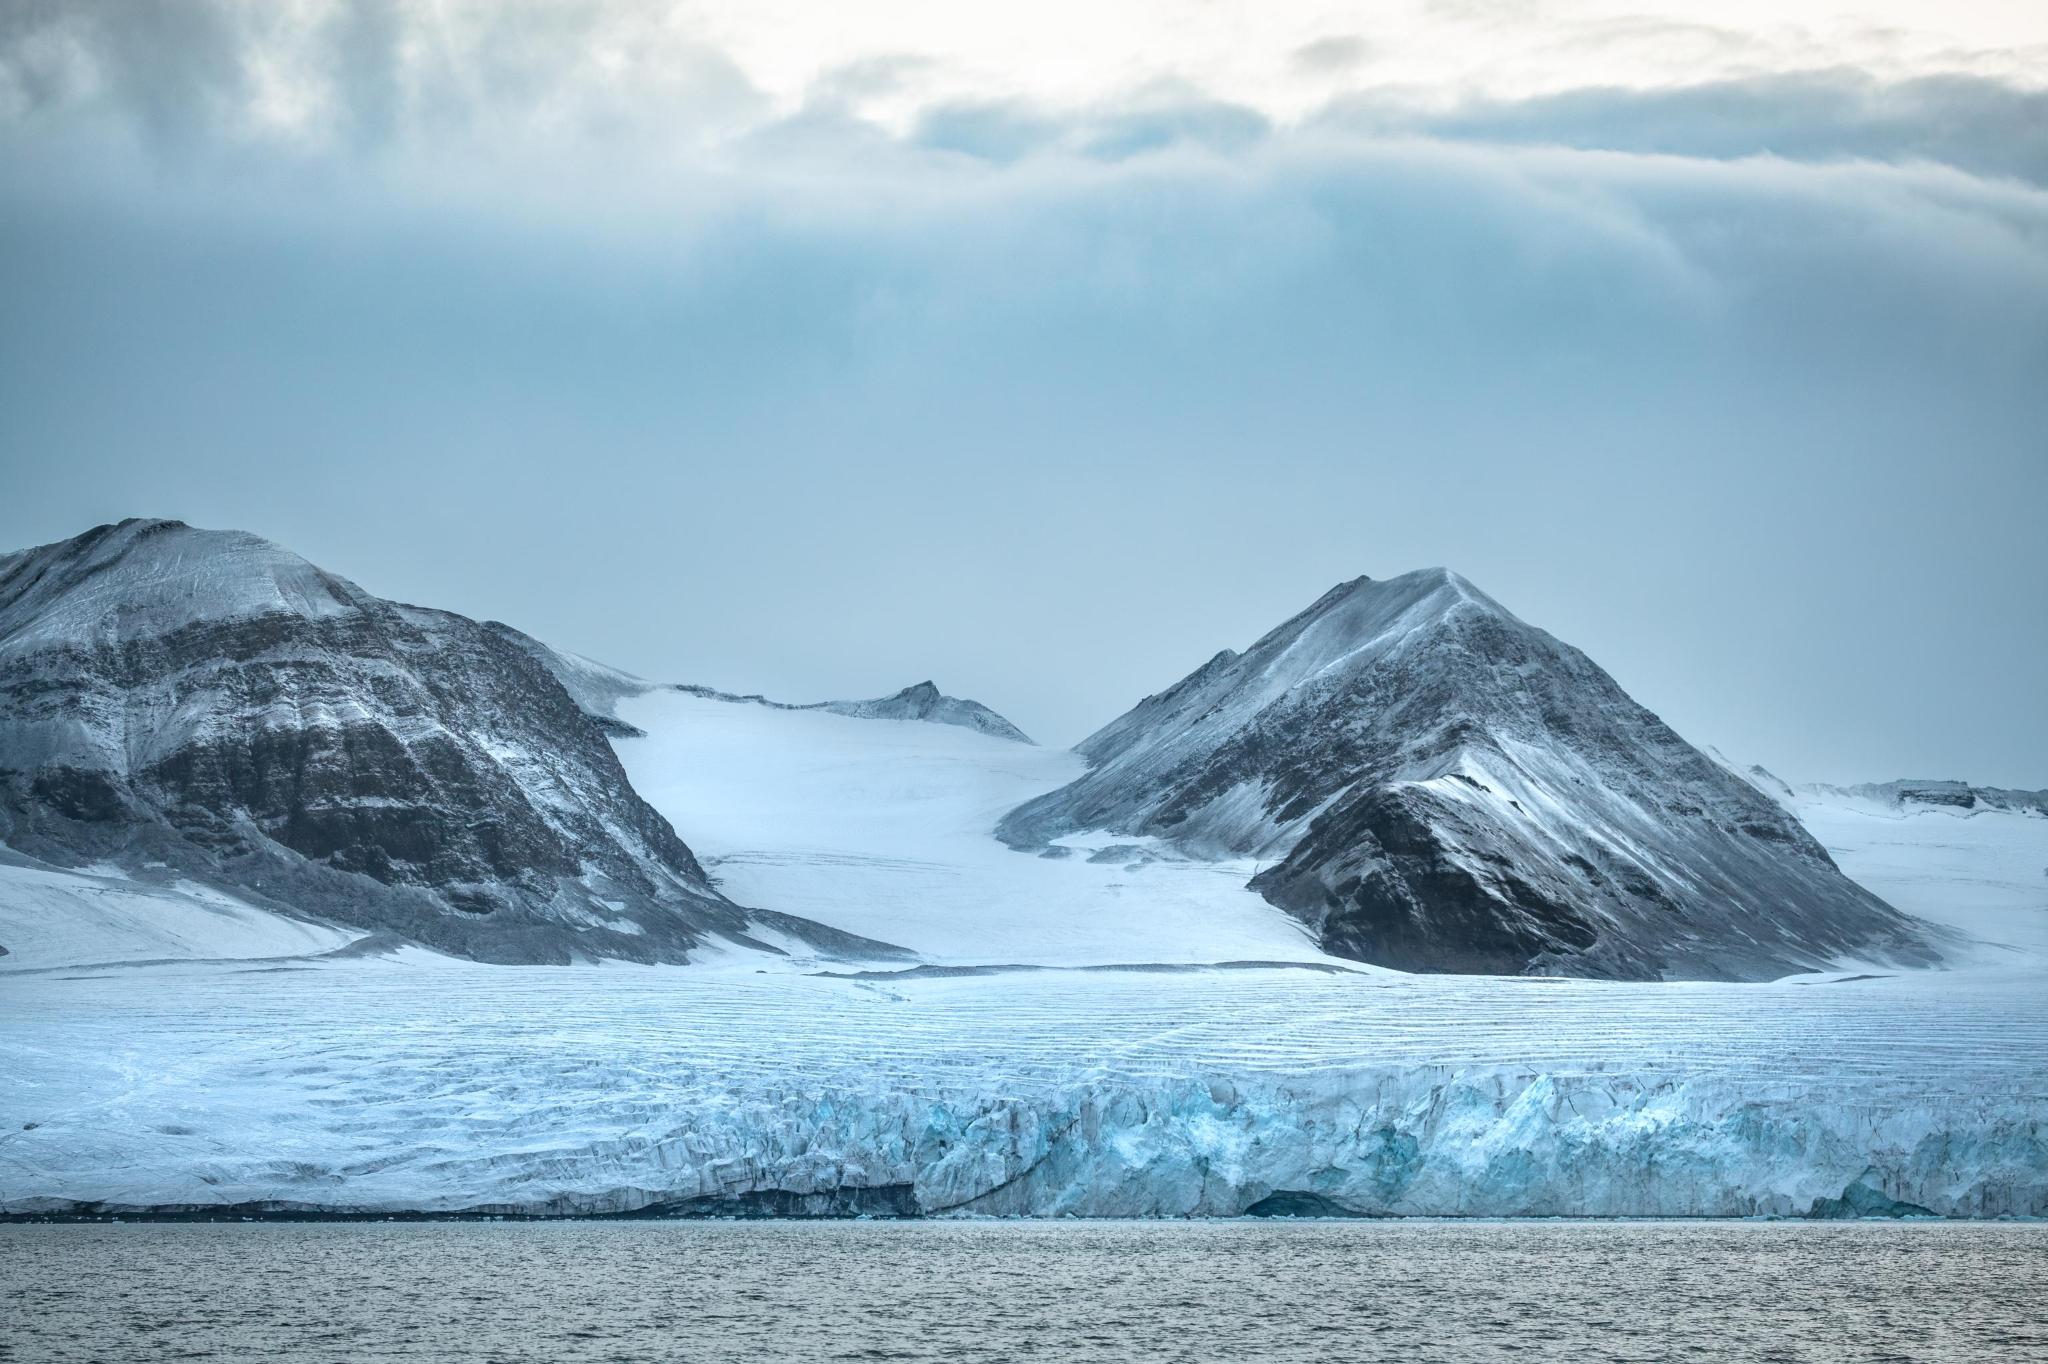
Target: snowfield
{"x":1073,"y":1044}
{"x":54,"y":918}
{"x":881,"y":828}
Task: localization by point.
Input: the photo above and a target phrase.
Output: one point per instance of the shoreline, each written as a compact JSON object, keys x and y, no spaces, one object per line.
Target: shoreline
{"x":236,"y":1216}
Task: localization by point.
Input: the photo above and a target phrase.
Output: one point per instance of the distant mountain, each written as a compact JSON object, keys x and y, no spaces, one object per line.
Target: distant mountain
{"x":1948,"y":795}
{"x":209,"y":702}
{"x":926,"y":702}
{"x":1442,"y":787}
{"x":923,"y":701}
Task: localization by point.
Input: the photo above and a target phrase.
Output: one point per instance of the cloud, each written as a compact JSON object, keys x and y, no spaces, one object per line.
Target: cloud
{"x":171,"y":72}
{"x":1176,"y":119}
{"x":1338,"y":52}
{"x":360,"y":76}
{"x":1975,"y":123}
{"x":362,"y":43}
{"x":563,"y":318}
{"x":1153,"y":120}
{"x":987,"y":130}
{"x":633,"y":86}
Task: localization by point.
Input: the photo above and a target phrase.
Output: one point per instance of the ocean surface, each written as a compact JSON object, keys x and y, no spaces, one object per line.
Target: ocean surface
{"x":1247,"y":1292}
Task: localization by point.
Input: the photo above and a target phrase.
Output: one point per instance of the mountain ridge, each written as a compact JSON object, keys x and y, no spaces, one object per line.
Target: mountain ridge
{"x":599,"y":688}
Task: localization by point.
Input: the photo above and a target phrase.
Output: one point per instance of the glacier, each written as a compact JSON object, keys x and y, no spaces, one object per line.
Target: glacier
{"x":1115,"y":1032}
{"x":420,"y":1085}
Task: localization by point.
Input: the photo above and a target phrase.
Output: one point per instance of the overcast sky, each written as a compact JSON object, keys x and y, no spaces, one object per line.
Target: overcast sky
{"x":1045,"y":350}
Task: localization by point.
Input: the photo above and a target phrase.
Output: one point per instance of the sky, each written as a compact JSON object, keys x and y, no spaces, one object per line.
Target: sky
{"x":1045,"y":350}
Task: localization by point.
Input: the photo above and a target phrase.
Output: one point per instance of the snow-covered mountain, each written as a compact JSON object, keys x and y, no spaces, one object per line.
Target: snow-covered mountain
{"x":208,"y":705}
{"x":1442,"y":787}
{"x":925,"y":701}
{"x":599,"y":689}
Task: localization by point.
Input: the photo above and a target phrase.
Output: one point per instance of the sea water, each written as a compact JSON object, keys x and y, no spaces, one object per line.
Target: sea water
{"x":1242,"y":1291}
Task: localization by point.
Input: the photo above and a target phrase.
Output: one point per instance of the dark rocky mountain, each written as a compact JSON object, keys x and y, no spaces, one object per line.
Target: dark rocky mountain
{"x":207,"y":704}
{"x":1441,"y":787}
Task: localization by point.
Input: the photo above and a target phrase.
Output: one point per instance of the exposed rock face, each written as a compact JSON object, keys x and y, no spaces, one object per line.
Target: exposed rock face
{"x":207,"y":700}
{"x":596,"y":688}
{"x":1445,"y":788}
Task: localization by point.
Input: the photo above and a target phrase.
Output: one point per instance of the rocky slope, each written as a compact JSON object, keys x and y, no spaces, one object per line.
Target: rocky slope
{"x":207,"y":704}
{"x":1443,"y":787}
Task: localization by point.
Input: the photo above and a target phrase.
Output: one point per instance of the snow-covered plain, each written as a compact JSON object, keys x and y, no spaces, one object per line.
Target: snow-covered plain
{"x":1118,"y":1075}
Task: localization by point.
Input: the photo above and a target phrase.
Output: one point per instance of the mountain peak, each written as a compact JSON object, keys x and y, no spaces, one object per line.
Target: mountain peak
{"x":1437,"y":589}
{"x":146,"y":577}
{"x":1441,"y":786}
{"x":924,"y":701}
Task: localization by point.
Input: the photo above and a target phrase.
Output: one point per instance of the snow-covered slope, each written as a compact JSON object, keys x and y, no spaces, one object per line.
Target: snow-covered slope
{"x":1441,"y":787}
{"x":881,"y":827}
{"x":208,"y":702}
{"x":58,"y":917}
{"x":1979,"y":867}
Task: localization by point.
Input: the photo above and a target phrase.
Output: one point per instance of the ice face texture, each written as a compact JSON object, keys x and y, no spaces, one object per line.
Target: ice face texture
{"x":412,"y":1083}
{"x":1441,"y":787}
